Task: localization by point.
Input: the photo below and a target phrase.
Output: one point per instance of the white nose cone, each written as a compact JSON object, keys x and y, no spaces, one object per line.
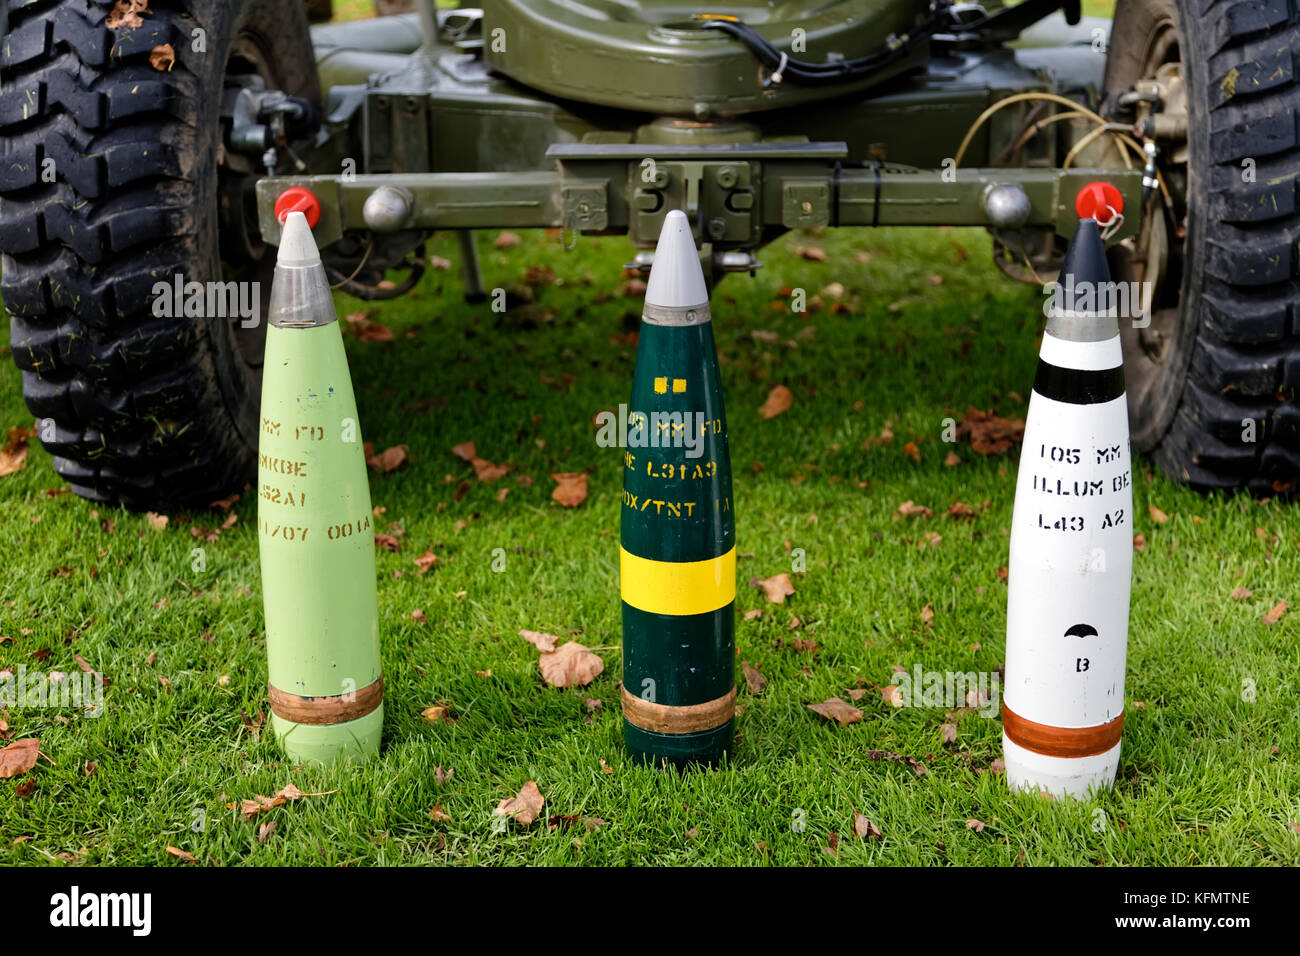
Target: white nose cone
{"x":676,"y":279}
{"x":297,"y":246}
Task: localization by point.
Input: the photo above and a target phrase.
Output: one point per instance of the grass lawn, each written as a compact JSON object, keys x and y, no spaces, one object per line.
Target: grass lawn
{"x":1207,"y":776}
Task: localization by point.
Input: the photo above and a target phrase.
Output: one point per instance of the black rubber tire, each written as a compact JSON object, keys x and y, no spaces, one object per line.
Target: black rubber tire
{"x":149,"y":412}
{"x":1235,"y":351}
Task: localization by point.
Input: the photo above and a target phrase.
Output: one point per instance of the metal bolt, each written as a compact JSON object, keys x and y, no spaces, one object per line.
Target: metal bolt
{"x":717,"y":228}
{"x":727,"y":177}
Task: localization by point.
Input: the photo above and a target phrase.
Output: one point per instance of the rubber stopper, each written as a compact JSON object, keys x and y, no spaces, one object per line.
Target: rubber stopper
{"x":1093,"y":200}
{"x":298,"y":199}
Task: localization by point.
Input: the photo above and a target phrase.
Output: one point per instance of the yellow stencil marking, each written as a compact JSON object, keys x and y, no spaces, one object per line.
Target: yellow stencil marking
{"x":679,"y":386}
{"x":661,"y":385}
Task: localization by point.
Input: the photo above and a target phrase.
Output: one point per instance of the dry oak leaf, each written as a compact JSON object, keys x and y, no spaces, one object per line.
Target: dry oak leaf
{"x":756,"y":681}
{"x":265,"y":830}
{"x":439,"y":814}
{"x":506,"y":239}
{"x":976,"y":825}
{"x":811,"y":253}
{"x":987,"y":433}
{"x":912,"y":452}
{"x":185,"y":856}
{"x":425,"y":561}
{"x":952,"y":460}
{"x":1240,"y":594}
{"x":19,"y":757}
{"x":387,"y":460}
{"x":1275,"y":615}
{"x":438,"y":713}
{"x":523,"y":807}
{"x":779,"y":400}
{"x":837,"y":710}
{"x":571,"y":488}
{"x":865,"y":828}
{"x":1139,"y":542}
{"x":156,"y":521}
{"x":570,"y":665}
{"x":777,"y":587}
{"x":1158,"y":516}
{"x":162,"y":57}
{"x":542,"y":641}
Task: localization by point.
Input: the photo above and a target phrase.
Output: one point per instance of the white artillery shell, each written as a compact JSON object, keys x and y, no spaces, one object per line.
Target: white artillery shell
{"x":1069,"y":574}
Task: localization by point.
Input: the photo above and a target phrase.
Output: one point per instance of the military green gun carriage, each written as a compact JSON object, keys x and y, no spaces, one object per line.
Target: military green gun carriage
{"x":119,"y":169}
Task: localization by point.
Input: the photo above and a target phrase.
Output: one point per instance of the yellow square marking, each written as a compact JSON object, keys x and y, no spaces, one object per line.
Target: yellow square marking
{"x":679,"y":385}
{"x":661,"y":385}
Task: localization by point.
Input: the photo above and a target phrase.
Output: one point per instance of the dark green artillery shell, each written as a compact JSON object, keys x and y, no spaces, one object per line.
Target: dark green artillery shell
{"x":677,"y":509}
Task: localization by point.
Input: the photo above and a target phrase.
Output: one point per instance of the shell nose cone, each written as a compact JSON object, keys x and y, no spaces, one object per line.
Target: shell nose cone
{"x":676,"y":279}
{"x":1082,"y":307}
{"x":297,"y":246}
{"x":1085,"y":259}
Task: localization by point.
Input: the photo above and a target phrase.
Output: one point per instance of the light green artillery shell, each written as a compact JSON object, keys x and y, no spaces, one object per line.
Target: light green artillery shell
{"x":317,"y":550}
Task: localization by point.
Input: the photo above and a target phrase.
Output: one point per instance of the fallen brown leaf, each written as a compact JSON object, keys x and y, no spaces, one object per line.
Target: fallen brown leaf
{"x":777,"y":588}
{"x":757,"y":682}
{"x":387,"y":460}
{"x":987,"y":433}
{"x":909,"y":509}
{"x":19,"y":757}
{"x":162,"y":57}
{"x":779,"y":400}
{"x":260,"y":804}
{"x":570,"y":665}
{"x":438,"y":714}
{"x":184,"y":855}
{"x":13,"y":456}
{"x":1240,"y":594}
{"x":833,"y":708}
{"x":525,"y":806}
{"x":543,"y":642}
{"x":571,"y":488}
{"x":865,"y":828}
{"x":1275,"y":615}
{"x":126,"y":13}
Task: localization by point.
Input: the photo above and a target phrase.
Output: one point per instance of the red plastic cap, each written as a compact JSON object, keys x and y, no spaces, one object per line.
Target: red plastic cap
{"x":298,"y":199}
{"x":1100,"y":201}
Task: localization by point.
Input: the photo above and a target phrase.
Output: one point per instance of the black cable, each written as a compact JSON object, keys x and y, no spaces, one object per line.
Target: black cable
{"x":802,"y":71}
